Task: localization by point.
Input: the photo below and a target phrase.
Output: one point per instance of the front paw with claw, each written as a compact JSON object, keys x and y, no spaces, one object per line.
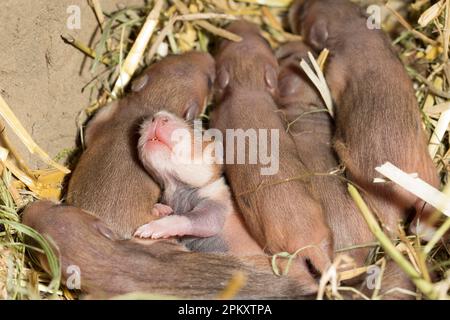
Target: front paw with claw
{"x":169,"y":226}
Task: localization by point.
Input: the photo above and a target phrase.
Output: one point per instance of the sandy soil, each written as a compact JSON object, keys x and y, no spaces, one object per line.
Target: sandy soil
{"x":41,"y":77}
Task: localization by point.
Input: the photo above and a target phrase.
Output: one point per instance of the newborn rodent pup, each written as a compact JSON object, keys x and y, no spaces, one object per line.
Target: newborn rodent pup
{"x":377,"y":114}
{"x":312,"y":128}
{"x":109,"y":180}
{"x":196,"y":200}
{"x":109,"y":266}
{"x":278,"y":209}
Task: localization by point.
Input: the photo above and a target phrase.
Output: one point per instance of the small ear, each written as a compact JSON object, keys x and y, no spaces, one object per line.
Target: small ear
{"x":318,"y":34}
{"x":288,"y":85}
{"x":296,"y":14}
{"x":139,"y":83}
{"x":191,"y":110}
{"x":105,"y":231}
{"x":223,"y":78}
{"x":271,"y":77}
{"x":210,"y":82}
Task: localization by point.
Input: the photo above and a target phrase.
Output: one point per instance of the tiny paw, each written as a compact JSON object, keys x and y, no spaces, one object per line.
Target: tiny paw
{"x":164,"y":228}
{"x":161,"y":210}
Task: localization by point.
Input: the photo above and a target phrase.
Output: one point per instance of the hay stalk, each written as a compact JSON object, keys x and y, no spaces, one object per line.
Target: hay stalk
{"x":137,"y":50}
{"x":424,"y":286}
{"x":25,"y":137}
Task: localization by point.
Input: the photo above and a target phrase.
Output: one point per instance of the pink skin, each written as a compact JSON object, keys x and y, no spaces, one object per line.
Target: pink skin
{"x":158,"y":140}
{"x":159,"y":133}
{"x":206,"y":216}
{"x":169,"y":226}
{"x":161,"y":210}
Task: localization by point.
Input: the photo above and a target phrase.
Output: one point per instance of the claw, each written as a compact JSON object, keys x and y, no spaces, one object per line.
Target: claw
{"x":170,"y":226}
